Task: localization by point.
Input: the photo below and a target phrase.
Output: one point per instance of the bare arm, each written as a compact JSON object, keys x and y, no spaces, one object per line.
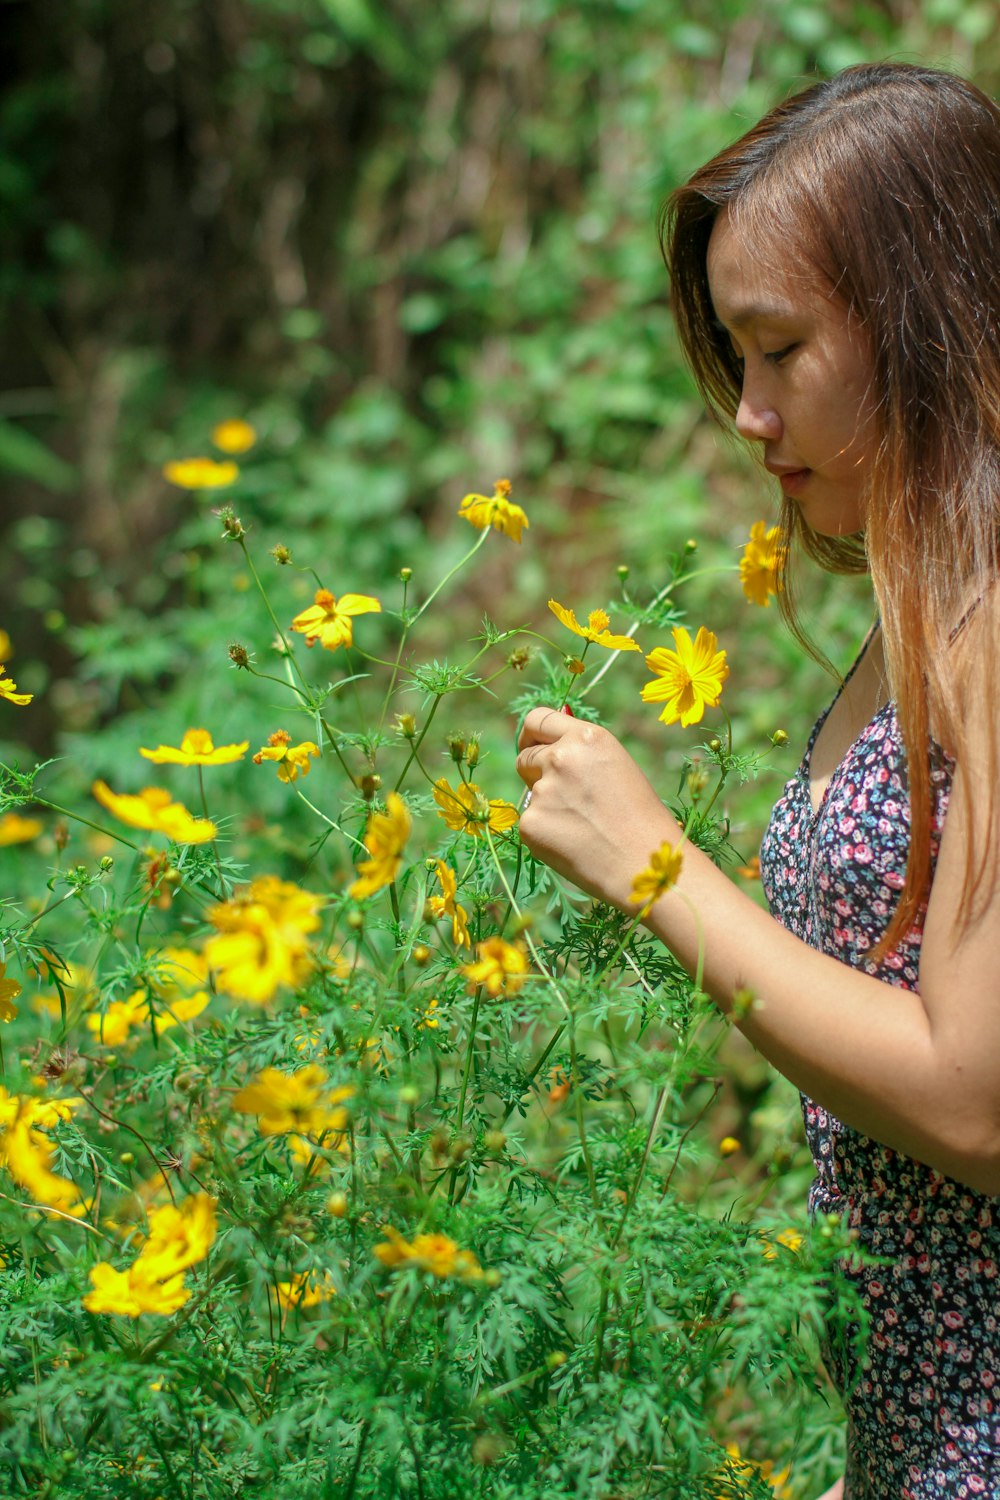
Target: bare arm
{"x":918,"y":1072}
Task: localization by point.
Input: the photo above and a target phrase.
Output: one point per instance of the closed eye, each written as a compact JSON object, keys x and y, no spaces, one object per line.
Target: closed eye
{"x":777,"y":355}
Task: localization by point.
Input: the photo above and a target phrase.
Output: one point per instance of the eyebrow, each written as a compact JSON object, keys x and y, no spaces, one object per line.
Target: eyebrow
{"x":750,"y":312}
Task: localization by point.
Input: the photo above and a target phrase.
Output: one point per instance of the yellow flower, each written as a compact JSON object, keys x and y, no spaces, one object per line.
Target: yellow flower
{"x":17,"y":830}
{"x":178,"y":1238}
{"x":133,"y":1292}
{"x":445,"y":905}
{"x":8,"y":689}
{"x":687,"y":679}
{"x":9,"y":991}
{"x":429,"y":1021}
{"x":40,"y":1114}
{"x":285,"y":1102}
{"x":435,"y":1253}
{"x":153,"y":809}
{"x":6,"y":646}
{"x":466,"y":808}
{"x":790,"y":1239}
{"x":658,"y":876}
{"x":596,"y":629}
{"x":177,"y":978}
{"x":111,"y":1027}
{"x":728,"y":1146}
{"x":262,"y":940}
{"x":500,"y":966}
{"x":385,"y":837}
{"x":328,"y":620}
{"x":200,"y":473}
{"x":292,"y":760}
{"x":763,"y":557}
{"x":196,"y":749}
{"x":497,"y":510}
{"x":234,"y":436}
{"x":739,"y":1467}
{"x":27,"y":1155}
{"x":305,"y":1289}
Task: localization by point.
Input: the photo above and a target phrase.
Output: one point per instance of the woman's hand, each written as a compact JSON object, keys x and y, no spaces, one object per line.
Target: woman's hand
{"x":592,"y":814}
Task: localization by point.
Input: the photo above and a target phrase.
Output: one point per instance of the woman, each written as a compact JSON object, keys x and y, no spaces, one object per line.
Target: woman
{"x":836,"y":277}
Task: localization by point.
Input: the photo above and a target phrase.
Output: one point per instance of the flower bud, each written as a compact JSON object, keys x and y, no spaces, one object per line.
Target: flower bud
{"x":556,"y":1359}
{"x":60,"y":834}
{"x":281,"y":555}
{"x":472,"y":754}
{"x":623,"y":571}
{"x":456,"y":748}
{"x":406,"y":725}
{"x":337,"y":1205}
{"x":492,"y":1278}
{"x":420,"y":954}
{"x":239,"y":655}
{"x":355,"y":920}
{"x":127,"y":1158}
{"x":409,"y":1095}
{"x":232,"y":526}
{"x":369,"y":784}
{"x":690,"y":545}
{"x":728,"y":1146}
{"x":574,"y":665}
{"x":779,"y":737}
{"x":405,"y":574}
{"x":107,"y":863}
{"x":494,"y":1141}
{"x":715,"y":744}
{"x":519,"y":658}
{"x":697,"y":780}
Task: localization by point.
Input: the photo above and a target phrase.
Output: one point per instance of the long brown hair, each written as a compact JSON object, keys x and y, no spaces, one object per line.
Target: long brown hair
{"x":885,"y":181}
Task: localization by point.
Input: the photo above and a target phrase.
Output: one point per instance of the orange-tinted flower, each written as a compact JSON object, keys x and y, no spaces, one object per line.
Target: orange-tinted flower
{"x":658,"y":876}
{"x":329,"y":620}
{"x":496,"y":510}
{"x":14,"y":829}
{"x":436,"y":1253}
{"x":292,"y":760}
{"x":445,"y":905}
{"x":760,"y":565}
{"x":597,"y":628}
{"x":499,"y":966}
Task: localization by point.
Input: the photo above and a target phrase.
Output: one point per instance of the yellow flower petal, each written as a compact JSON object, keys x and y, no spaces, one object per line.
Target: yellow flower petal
{"x":234,"y":436}
{"x":200,"y":473}
{"x":196,"y":749}
{"x":152,"y":809}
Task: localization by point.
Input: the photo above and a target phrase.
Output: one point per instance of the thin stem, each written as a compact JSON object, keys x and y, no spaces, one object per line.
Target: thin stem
{"x":450,"y":575}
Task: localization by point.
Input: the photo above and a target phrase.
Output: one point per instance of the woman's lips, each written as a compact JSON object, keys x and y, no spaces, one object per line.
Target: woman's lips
{"x":793,"y":481}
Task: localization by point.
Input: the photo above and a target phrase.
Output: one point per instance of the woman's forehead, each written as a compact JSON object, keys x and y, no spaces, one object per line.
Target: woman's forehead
{"x":754,"y":279}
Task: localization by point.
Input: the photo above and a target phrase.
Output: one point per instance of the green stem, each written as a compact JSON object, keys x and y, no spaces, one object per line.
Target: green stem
{"x":450,"y":575}
{"x":289,"y":654}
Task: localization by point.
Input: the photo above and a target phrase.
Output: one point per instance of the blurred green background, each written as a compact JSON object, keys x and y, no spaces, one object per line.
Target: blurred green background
{"x":414,"y":243}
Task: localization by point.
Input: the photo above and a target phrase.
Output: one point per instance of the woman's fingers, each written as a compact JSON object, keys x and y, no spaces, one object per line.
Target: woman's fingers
{"x":543,"y":726}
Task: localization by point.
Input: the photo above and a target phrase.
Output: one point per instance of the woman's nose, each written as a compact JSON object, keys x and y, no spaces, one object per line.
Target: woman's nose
{"x":756,"y":421}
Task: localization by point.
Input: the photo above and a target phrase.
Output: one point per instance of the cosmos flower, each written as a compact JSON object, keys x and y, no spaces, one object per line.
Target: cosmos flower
{"x":496,"y":510}
{"x":329,"y":620}
{"x":688,"y":679}
{"x":597,"y":628}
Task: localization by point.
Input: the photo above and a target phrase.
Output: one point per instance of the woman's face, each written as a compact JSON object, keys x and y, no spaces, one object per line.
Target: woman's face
{"x":806,"y":379}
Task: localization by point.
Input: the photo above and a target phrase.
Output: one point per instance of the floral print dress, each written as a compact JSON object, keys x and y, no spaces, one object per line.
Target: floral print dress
{"x":924,"y":1410}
